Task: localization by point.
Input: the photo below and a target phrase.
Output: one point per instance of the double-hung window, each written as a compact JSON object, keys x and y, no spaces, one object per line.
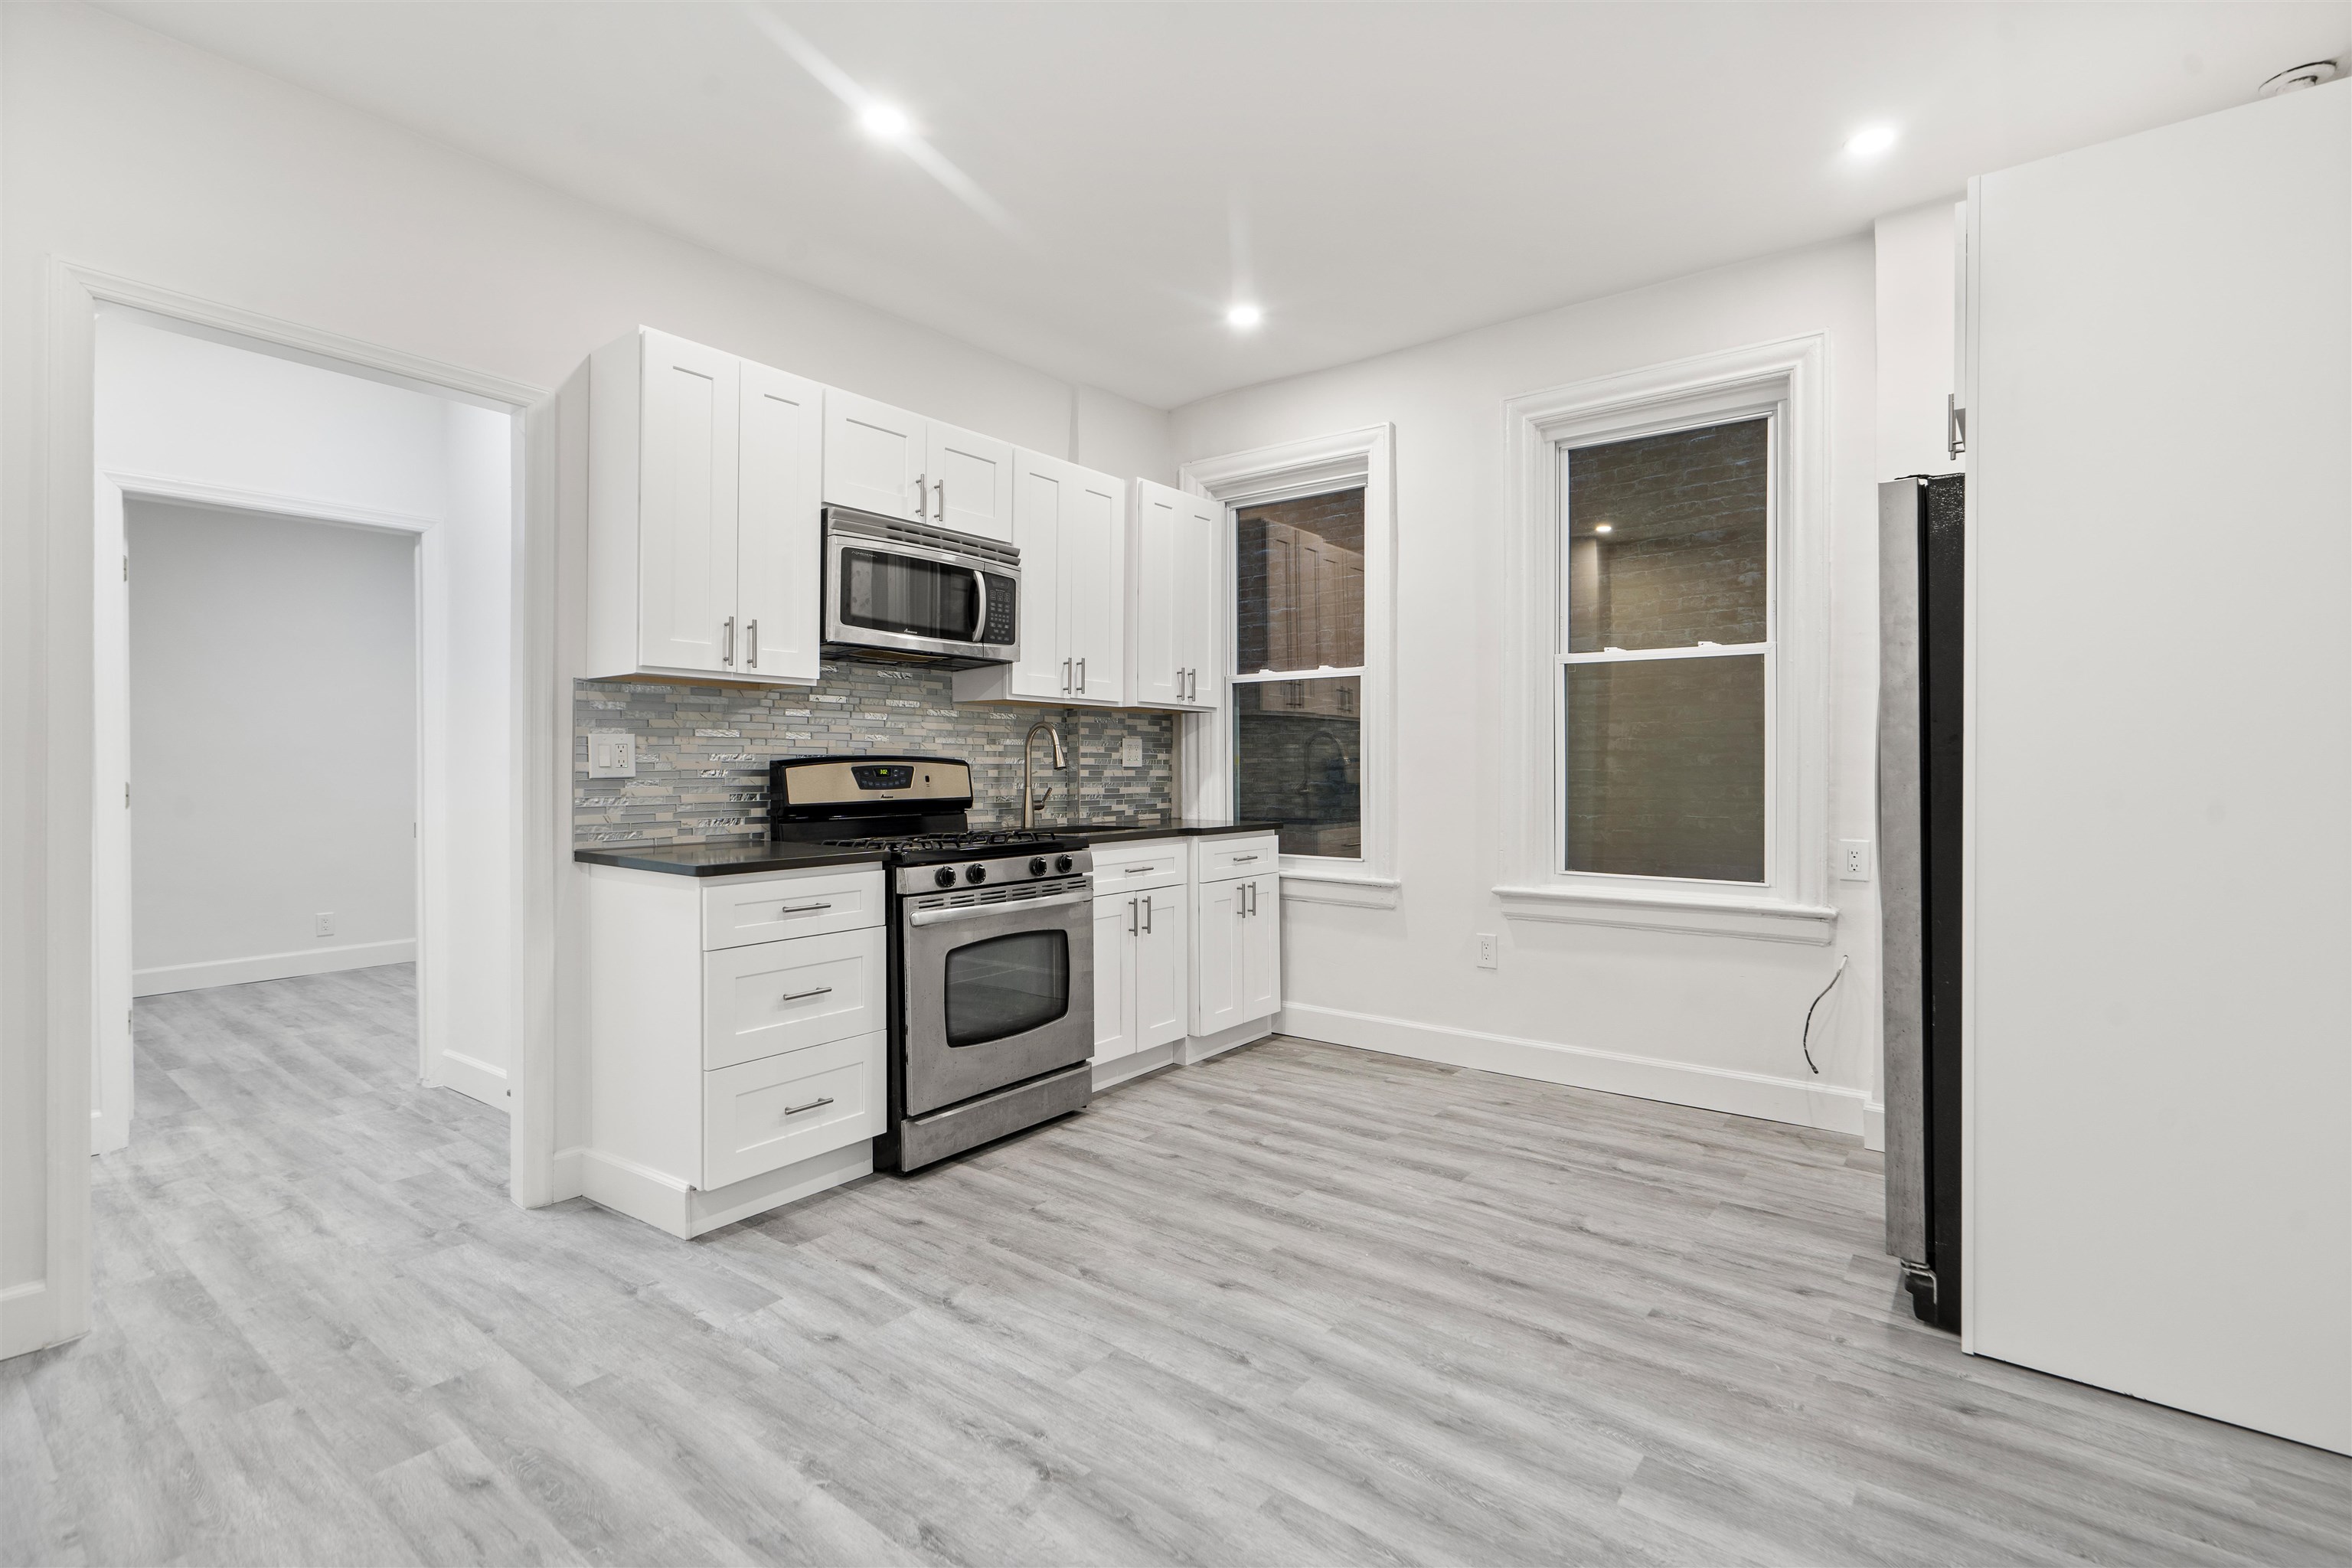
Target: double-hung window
{"x":1665,"y":653}
{"x":1299,"y":670}
{"x":1665,"y":593}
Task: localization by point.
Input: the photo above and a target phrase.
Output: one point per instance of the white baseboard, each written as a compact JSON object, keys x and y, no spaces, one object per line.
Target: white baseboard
{"x":476,"y":1078}
{"x":270,"y":966}
{"x":1201,"y":1047}
{"x":1789,"y":1100}
{"x":1119,"y":1069}
{"x":24,"y":1317}
{"x":566,"y":1176}
{"x":1874,"y":1125}
{"x":661,"y":1200}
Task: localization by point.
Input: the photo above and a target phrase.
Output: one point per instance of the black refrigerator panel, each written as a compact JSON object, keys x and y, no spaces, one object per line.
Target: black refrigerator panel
{"x":1922,"y":556}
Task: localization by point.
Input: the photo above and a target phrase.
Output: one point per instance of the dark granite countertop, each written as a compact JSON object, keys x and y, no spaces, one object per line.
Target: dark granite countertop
{"x":1176,"y":828}
{"x":735,"y":858}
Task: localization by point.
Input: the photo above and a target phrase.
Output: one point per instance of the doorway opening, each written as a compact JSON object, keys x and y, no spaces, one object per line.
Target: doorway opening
{"x":304,"y":712}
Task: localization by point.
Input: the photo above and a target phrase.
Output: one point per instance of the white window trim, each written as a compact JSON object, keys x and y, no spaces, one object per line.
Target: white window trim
{"x":1787,"y":379}
{"x":1279,"y":473}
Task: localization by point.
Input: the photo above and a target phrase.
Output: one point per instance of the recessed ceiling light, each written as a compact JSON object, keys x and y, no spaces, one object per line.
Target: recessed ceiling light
{"x":1870,"y":143}
{"x":1605,"y":528}
{"x":886,"y":120}
{"x":1244,"y":317}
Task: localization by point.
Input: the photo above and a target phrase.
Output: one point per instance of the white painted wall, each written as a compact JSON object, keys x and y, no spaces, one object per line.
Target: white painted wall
{"x":1915,"y":254}
{"x":2158,"y":1074}
{"x":273,"y":746}
{"x":1704,"y":1020}
{"x":123,"y":151}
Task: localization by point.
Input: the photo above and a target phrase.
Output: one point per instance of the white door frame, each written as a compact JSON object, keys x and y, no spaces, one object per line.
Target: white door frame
{"x":63,"y":963}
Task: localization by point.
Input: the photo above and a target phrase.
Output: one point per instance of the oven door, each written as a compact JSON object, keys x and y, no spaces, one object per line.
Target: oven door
{"x":994,"y":994}
{"x":885,"y":595}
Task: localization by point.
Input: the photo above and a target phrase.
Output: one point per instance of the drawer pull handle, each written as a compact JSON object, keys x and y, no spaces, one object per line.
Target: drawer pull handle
{"x":802,"y":908}
{"x":812,"y":1105}
{"x":1137,"y":870}
{"x":1239,"y":858}
{"x":805,"y":995}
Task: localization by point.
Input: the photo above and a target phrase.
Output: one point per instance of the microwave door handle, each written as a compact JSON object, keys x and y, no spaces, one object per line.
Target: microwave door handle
{"x":979,"y":605}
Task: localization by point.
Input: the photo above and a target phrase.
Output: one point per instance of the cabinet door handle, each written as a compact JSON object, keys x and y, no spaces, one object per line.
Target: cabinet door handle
{"x":812,"y":1105}
{"x":922,"y":490}
{"x":1130,"y":916}
{"x":801,"y":908}
{"x":727,"y":644}
{"x":940,"y":490}
{"x":1065,"y":675}
{"x":751,"y":643}
{"x":805,"y":995}
{"x":1147,"y":914}
{"x":1081,"y":687}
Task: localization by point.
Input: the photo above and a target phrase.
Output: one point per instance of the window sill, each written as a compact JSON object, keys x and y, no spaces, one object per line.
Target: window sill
{"x":1358,"y":889}
{"x":1700,"y":914}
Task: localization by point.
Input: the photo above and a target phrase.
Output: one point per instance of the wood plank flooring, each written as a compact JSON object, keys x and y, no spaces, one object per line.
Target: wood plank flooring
{"x":1296,"y":1305}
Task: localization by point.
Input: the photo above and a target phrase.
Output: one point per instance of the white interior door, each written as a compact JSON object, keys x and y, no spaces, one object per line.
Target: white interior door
{"x":1113,"y":978}
{"x":781,"y":510}
{"x":687,"y":505}
{"x":2158,"y":1090}
{"x":1094,"y":597}
{"x":971,"y":480}
{"x":1041,"y":496}
{"x":874,"y":457}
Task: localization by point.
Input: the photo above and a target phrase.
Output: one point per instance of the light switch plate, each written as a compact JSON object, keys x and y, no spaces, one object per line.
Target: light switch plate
{"x":1853,"y":859}
{"x":1131,"y":751}
{"x":612,"y":755}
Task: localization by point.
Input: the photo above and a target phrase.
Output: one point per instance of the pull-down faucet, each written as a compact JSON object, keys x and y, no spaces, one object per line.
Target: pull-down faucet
{"x":1030,"y":801}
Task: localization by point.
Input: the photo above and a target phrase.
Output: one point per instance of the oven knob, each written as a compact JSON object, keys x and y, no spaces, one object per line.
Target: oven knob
{"x":975,"y":873}
{"x":1037,"y":867}
{"x":944,"y":876}
{"x":1063,"y":862}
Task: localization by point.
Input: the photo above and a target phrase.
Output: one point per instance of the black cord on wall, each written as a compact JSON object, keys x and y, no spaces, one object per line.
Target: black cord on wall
{"x":1805,"y":1041}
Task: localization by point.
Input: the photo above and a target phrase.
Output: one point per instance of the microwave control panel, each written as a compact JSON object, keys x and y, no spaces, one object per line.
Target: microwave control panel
{"x":1003,"y":595}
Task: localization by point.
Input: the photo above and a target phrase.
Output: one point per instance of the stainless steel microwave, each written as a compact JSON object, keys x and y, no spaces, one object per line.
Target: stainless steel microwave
{"x":909,"y":592}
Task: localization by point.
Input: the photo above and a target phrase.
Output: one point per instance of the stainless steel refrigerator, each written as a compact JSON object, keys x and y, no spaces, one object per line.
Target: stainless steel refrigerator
{"x":1922,"y":549}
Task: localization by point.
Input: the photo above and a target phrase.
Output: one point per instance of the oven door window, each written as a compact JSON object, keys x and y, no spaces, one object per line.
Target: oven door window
{"x":1007,"y":985}
{"x":884,"y":593}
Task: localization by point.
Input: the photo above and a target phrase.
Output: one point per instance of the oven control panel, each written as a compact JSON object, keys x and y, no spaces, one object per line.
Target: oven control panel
{"x":1010,"y":873}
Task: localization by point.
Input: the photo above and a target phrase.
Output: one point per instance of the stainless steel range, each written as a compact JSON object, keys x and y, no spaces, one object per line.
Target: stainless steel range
{"x":992,"y":949}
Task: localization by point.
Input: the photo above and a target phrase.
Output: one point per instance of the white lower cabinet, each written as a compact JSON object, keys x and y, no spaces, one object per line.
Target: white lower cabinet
{"x":1140,"y":956}
{"x":1238,"y":944}
{"x":729,"y":1075}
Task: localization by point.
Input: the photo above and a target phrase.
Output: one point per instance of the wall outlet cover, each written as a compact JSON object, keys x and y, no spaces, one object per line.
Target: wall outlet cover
{"x":1490,"y":954}
{"x":1853,"y":859}
{"x":612,"y":755}
{"x":324,"y":924}
{"x":1131,"y":751}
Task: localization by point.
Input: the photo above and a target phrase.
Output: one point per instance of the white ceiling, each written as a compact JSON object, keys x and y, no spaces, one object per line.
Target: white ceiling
{"x":1376,"y":174}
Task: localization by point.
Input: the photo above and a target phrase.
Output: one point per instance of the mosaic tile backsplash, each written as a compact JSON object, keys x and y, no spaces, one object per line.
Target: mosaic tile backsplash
{"x":703,"y":751}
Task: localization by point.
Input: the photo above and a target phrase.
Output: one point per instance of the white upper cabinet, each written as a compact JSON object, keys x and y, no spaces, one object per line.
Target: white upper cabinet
{"x":1176,"y":607}
{"x":970,"y":477}
{"x":703,"y":513}
{"x":887,"y":461}
{"x":875,"y":456}
{"x":780,"y":494}
{"x":1070,"y":525}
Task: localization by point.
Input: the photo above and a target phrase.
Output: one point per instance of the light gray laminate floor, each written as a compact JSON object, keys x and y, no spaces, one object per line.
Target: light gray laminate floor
{"x":1296,"y":1305}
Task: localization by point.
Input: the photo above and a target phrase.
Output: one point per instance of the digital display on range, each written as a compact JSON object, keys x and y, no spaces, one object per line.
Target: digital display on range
{"x":883,"y":775}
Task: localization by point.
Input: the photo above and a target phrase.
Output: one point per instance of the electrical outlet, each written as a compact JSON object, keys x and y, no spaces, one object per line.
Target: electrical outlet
{"x":1131,"y":751}
{"x":1853,"y":859}
{"x":324,"y":924}
{"x":612,"y":755}
{"x":1489,"y":951}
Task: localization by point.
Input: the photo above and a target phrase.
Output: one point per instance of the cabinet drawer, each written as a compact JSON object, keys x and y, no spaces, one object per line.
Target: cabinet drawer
{"x":1131,"y":867}
{"x":735,"y":914}
{"x":1223,"y":857}
{"x":784,"y":995}
{"x":767,"y":1114}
